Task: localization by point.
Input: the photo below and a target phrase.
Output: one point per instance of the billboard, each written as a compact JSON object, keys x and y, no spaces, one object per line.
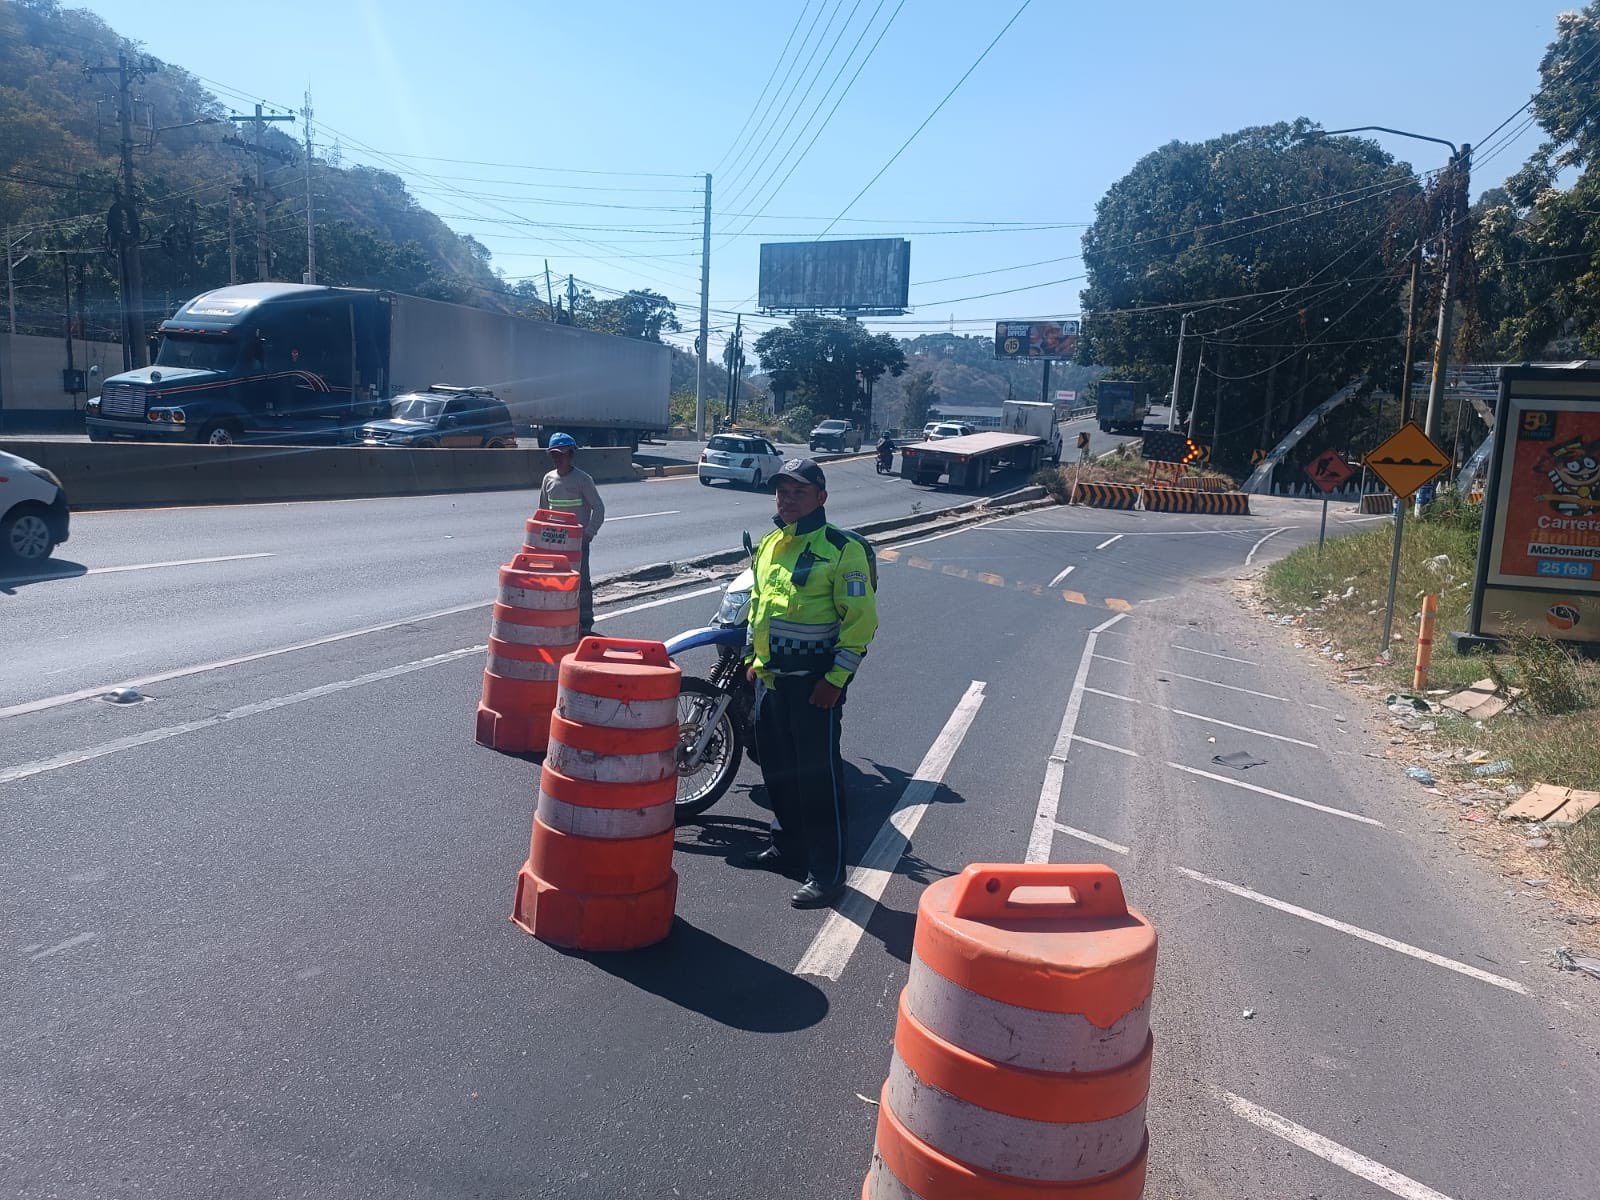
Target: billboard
{"x":1035,"y":339}
{"x":1539,"y":554}
{"x":868,"y":276}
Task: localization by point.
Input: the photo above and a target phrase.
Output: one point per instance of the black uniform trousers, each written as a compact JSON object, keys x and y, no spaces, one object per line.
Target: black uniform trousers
{"x":804,"y":774}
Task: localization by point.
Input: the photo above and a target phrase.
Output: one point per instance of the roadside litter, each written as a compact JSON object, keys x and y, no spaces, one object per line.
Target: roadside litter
{"x":1499,"y":767}
{"x":1551,"y":805}
{"x":1566,"y":960}
{"x":1482,"y":700}
{"x":1422,"y":775}
{"x":1239,"y":760}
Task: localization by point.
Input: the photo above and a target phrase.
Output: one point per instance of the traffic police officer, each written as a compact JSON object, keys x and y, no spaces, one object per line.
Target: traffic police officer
{"x":813,"y":610}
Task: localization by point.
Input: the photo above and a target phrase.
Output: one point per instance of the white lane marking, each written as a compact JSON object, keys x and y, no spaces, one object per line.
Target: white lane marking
{"x":1265,"y":538}
{"x":1194,"y":716}
{"x":945,"y":534}
{"x":1055,"y":768}
{"x":150,"y":566}
{"x":1116,"y":537}
{"x":1065,"y":571}
{"x":30,"y":706}
{"x":1209,"y":654}
{"x":1342,"y":1157}
{"x":1088,"y":741}
{"x":1277,"y":737}
{"x":1121,"y":662}
{"x":133,"y":741}
{"x":830,"y":951}
{"x":670,"y":512}
{"x":663,"y":602}
{"x":1091,"y":838}
{"x":1231,"y":688}
{"x":1250,"y":787}
{"x":1366,"y":935}
{"x":1125,"y":533}
{"x":1358,"y":520}
{"x":77,"y":939}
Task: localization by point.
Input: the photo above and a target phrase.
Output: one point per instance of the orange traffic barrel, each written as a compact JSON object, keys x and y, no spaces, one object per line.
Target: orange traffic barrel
{"x":599,"y":871}
{"x":550,"y":531}
{"x":534,"y":626}
{"x":1022,"y":1049}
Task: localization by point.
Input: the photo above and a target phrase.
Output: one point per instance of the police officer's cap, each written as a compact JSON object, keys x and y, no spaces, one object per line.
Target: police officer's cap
{"x":803,"y":470}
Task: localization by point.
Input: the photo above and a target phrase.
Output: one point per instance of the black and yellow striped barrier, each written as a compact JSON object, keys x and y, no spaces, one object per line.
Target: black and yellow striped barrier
{"x":1182,"y":500}
{"x":1106,"y":495}
{"x":1377,"y":503}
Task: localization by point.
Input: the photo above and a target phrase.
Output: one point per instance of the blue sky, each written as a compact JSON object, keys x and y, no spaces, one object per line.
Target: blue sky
{"x":1063,"y":106}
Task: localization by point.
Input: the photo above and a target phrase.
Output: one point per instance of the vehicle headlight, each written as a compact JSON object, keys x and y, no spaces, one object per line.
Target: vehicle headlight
{"x":178,"y":416}
{"x":732,"y":609}
{"x":45,"y":474}
{"x":92,"y":404}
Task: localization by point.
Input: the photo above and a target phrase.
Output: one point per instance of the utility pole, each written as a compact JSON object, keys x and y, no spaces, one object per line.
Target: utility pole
{"x":11,"y":281}
{"x":735,"y":366}
{"x":311,"y":240}
{"x":705,"y":317}
{"x":1194,"y":401}
{"x":549,"y":293}
{"x":123,"y":225}
{"x":1411,"y":333}
{"x":1460,"y":176}
{"x":233,"y":249}
{"x":572,"y":300}
{"x":260,"y":121}
{"x":1044,"y":391}
{"x":1177,"y":370}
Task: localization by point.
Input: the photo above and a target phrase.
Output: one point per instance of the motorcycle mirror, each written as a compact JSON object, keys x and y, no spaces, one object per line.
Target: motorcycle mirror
{"x":749,"y":546}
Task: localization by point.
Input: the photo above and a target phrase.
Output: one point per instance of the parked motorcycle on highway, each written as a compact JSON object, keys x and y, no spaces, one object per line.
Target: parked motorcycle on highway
{"x":716,"y":715}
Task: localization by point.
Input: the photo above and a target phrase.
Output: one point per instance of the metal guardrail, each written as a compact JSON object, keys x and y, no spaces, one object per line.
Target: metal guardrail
{"x":1074,"y":414}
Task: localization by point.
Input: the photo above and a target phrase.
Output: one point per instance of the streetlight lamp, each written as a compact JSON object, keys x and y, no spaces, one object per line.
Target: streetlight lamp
{"x":1460,"y":161}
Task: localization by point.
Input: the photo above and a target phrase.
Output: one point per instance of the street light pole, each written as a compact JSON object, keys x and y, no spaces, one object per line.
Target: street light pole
{"x":1177,"y":370}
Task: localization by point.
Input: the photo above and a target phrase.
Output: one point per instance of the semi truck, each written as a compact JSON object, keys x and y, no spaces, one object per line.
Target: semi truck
{"x":298,"y":363}
{"x":1121,"y":405}
{"x":1028,"y":436}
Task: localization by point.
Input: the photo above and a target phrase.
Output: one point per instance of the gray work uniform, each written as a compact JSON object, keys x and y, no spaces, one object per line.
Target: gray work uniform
{"x":576,"y":493}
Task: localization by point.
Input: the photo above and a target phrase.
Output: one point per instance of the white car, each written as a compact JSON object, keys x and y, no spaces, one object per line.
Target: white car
{"x":33,"y":511}
{"x":949,"y":429}
{"x":739,"y":458}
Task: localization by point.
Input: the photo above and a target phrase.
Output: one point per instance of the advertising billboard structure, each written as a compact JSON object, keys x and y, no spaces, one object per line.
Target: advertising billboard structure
{"x":1036,"y":339}
{"x":868,"y":277}
{"x":1539,"y":552}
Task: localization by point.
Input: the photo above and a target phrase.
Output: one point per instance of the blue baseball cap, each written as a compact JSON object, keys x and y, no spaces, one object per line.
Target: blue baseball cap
{"x":563,"y":441}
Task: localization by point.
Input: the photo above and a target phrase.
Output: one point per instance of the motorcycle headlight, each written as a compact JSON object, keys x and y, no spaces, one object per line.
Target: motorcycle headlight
{"x":732,"y":609}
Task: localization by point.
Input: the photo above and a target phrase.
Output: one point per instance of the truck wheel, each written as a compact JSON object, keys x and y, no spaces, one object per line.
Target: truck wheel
{"x":220,"y":433}
{"x":25,"y":534}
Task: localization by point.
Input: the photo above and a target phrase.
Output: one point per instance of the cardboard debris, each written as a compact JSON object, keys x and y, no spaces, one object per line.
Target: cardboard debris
{"x":1481,"y":701}
{"x":1551,"y":804}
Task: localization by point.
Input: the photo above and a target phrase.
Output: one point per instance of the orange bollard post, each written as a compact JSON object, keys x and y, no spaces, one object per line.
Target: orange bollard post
{"x":599,"y":872}
{"x":535,"y":626}
{"x":1430,"y":615}
{"x":550,"y":531}
{"x":1022,"y":1051}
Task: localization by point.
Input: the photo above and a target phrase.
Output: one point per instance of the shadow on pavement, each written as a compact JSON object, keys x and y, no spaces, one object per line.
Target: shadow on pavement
{"x":12,"y":578}
{"x":695,"y":970}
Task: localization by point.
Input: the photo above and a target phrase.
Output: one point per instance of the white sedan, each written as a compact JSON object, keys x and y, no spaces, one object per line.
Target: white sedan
{"x":740,"y":458}
{"x":33,"y":511}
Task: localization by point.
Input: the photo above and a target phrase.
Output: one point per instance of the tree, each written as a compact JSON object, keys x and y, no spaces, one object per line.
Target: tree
{"x":828,"y":364}
{"x":921,"y":398}
{"x":644,"y":315}
{"x":1283,"y":247}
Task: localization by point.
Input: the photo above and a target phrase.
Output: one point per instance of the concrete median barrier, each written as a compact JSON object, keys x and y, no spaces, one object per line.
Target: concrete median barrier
{"x":126,"y":474}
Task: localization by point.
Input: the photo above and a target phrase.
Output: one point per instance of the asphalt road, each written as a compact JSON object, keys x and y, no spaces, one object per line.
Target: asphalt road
{"x":258,"y":938}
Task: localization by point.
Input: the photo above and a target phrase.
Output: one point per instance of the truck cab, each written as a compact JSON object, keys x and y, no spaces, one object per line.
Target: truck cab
{"x":1121,"y":405}
{"x":1034,"y":417}
{"x":253,"y":362}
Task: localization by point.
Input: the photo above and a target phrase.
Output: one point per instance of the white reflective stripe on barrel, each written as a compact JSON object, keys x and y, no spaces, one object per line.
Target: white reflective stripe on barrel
{"x":992,"y":1141}
{"x":612,"y":768}
{"x":614,"y":713}
{"x":517,"y":668}
{"x":534,"y":635}
{"x":604,"y":822}
{"x":543,"y":599}
{"x":884,"y":1184}
{"x":1021,"y":1037}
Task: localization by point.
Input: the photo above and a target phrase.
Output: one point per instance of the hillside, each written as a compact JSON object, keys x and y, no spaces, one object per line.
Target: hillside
{"x":59,"y":169}
{"x":966,"y":374}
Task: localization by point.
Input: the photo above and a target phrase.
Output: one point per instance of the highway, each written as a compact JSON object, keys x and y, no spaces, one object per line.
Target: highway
{"x":257,"y":925}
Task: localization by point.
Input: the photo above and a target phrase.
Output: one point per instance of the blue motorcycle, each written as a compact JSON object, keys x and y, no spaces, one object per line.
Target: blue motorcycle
{"x":716,"y":714}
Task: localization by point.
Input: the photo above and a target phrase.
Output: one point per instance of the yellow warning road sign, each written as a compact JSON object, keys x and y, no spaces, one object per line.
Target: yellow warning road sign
{"x":1407,"y":460}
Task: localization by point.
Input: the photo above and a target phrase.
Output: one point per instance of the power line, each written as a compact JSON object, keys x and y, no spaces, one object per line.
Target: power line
{"x":751,"y":143}
{"x":928,"y":118}
{"x":778,"y":62}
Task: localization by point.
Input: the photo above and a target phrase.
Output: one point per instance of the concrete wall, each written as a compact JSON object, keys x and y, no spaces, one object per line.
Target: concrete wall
{"x":30,"y":372}
{"x":113,"y":474}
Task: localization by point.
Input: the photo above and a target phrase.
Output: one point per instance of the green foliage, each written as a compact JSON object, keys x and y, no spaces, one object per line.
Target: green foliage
{"x":921,"y":398}
{"x":829,"y":365}
{"x":1554,"y":681}
{"x":797,"y":421}
{"x":1198,"y":222}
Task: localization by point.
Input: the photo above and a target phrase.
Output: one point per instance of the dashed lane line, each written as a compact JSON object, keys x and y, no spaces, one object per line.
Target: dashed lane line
{"x":1064,"y":572}
{"x":1114,"y":538}
{"x":1092,"y":838}
{"x":1088,"y":741}
{"x":1209,"y":654}
{"x":1366,"y":935}
{"x":1194,"y":716}
{"x":917,"y":562}
{"x":1342,"y":1157}
{"x":1284,"y":796}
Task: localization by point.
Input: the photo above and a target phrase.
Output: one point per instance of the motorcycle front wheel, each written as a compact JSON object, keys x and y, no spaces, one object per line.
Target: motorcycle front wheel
{"x":702,"y":785}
